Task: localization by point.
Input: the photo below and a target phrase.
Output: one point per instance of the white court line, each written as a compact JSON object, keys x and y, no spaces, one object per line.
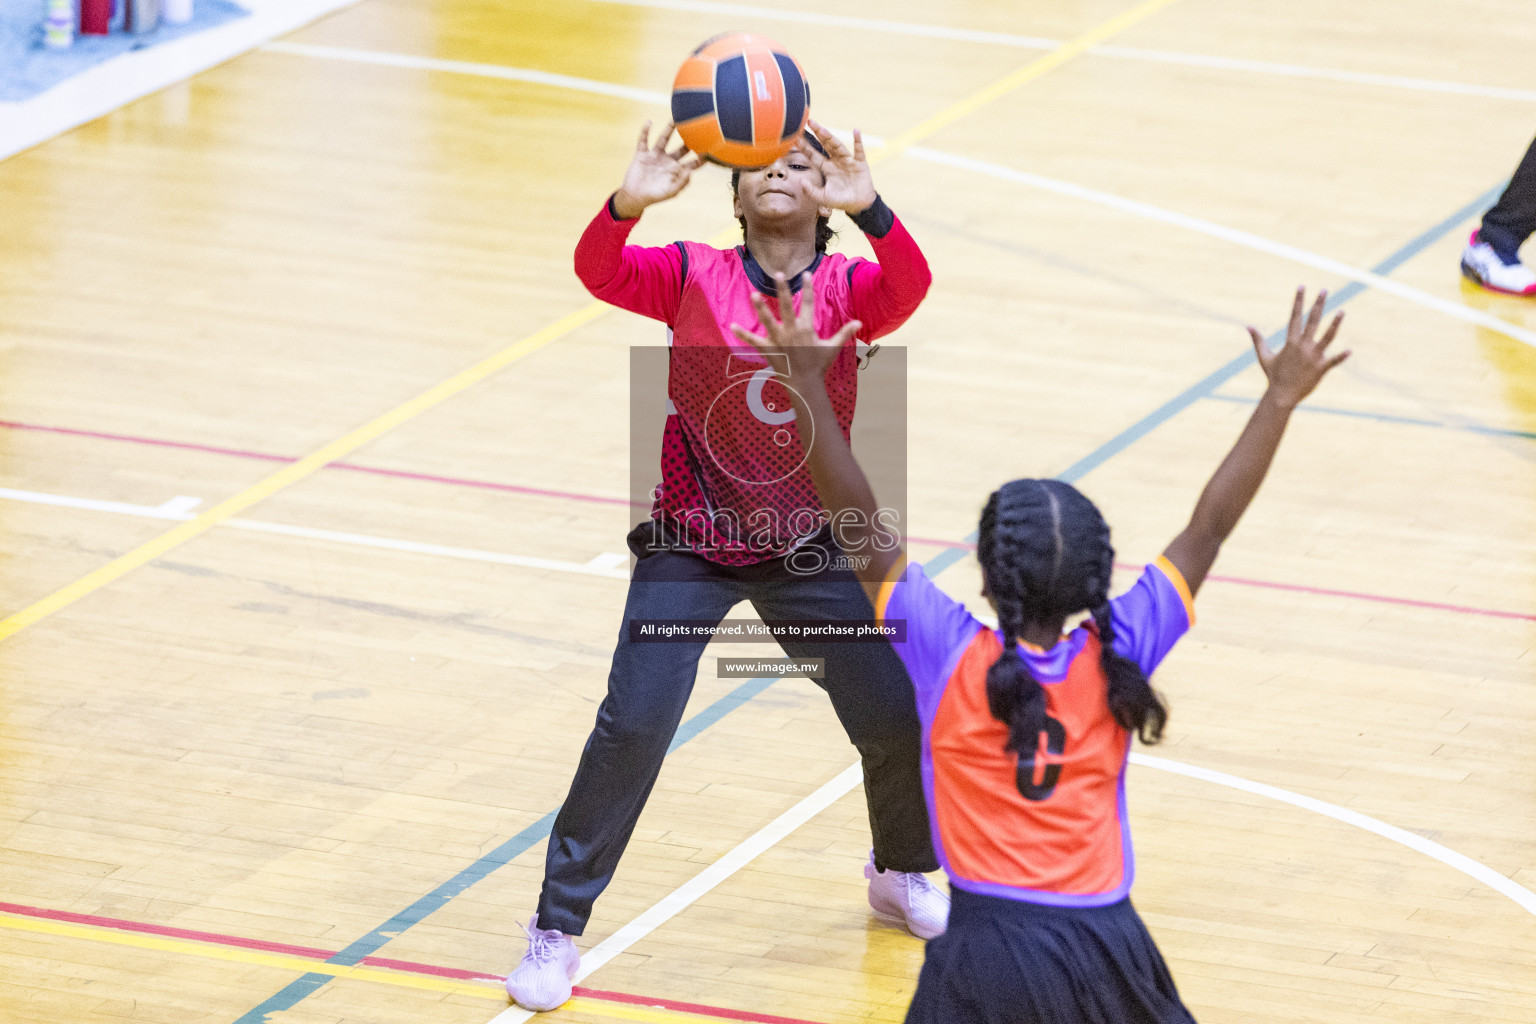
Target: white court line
{"x":111,"y":84}
{"x":599,"y":566}
{"x":1246,"y":239}
{"x":179,"y":509}
{"x":1263,"y":67}
{"x":685,"y":895}
{"x":511,"y":74}
{"x":176,"y":508}
{"x":900,"y":28}
{"x":1197,"y":60}
{"x":1445,"y":855}
{"x":781,"y":827}
{"x":823,"y":797}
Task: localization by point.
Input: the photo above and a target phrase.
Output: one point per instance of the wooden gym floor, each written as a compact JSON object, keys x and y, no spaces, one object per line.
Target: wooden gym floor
{"x":329,"y":719}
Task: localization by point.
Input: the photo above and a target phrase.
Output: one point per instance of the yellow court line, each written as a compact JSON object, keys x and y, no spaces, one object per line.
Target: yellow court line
{"x":296,"y":471}
{"x":1028,"y":73}
{"x":490,"y":989}
{"x":342,"y":446}
{"x":282,"y":961}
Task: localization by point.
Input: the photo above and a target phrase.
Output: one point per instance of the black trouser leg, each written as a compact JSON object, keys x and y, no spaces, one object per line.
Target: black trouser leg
{"x":874,"y":701}
{"x":1513,"y":218}
{"x":648,"y":689}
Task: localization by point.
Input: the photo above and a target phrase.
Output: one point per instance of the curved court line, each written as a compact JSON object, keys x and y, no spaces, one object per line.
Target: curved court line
{"x":904,"y":143}
{"x":433,"y":396}
{"x":744,"y":853}
{"x":1236,"y":236}
{"x":1501,"y":884}
{"x":967,"y":35}
{"x":502,"y":71}
{"x":300,"y":989}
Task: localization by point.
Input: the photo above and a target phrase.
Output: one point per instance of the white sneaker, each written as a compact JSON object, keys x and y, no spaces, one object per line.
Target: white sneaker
{"x":907,"y":898}
{"x":1481,"y":264}
{"x":543,"y":980}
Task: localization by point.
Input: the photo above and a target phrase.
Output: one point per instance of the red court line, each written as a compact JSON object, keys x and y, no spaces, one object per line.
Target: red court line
{"x":598,"y":499}
{"x":1356,"y":595}
{"x":681,"y":1007}
{"x":239,"y":453}
{"x":313,"y":953}
{"x":246,"y":453}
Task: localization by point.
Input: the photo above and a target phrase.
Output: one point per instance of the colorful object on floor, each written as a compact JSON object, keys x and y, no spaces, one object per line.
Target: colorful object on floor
{"x":141,"y":17}
{"x":39,"y":48}
{"x":740,"y":100}
{"x":59,"y":28}
{"x":95,"y":17}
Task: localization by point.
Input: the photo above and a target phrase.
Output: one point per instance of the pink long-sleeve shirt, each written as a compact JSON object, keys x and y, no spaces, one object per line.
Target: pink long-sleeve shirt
{"x":734,"y":485}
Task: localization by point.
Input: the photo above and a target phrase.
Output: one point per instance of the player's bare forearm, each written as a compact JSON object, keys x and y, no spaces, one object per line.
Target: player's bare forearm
{"x":840,"y":482}
{"x":1228,"y":494}
{"x":1292,"y":373}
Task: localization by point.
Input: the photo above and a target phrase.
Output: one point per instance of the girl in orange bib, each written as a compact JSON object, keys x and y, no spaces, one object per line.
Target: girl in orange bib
{"x":1027,"y":727}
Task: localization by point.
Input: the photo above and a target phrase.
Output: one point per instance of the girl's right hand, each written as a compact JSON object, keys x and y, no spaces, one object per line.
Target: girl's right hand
{"x":793,"y":335}
{"x":654,"y":174}
{"x":1300,"y":365}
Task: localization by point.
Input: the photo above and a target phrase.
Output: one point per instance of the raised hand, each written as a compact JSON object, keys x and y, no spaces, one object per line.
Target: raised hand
{"x":848,"y":186}
{"x":1298,"y":367}
{"x":794,"y":336}
{"x":654,"y":174}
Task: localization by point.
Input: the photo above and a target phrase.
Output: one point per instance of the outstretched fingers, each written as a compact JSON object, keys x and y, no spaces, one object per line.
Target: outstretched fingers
{"x":1298,"y":304}
{"x":848,"y":331}
{"x":1327,"y":339}
{"x":807,"y":316}
{"x":1331,"y":332}
{"x":764,"y":313}
{"x":831,"y":143}
{"x":660,"y":148}
{"x":786,"y":300}
{"x":1315,"y":316}
{"x":644,"y":142}
{"x":1260,"y":347}
{"x":757,"y":341}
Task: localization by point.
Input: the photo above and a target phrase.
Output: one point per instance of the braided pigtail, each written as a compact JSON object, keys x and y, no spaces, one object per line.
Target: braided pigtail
{"x":1136,"y":706}
{"x":1013,"y":566}
{"x":1045,"y":551}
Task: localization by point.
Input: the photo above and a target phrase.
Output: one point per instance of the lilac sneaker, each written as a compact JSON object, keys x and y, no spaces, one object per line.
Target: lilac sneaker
{"x":907,"y":898}
{"x":543,"y":980}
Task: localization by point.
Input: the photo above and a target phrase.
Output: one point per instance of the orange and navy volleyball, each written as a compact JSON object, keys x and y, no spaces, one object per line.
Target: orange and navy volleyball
{"x":740,"y":100}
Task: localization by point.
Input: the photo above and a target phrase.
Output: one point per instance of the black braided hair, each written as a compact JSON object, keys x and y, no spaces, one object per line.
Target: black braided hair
{"x":824,"y":232}
{"x":1045,"y":551}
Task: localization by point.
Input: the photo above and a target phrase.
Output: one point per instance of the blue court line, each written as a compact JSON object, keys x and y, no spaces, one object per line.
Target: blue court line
{"x":1206,"y":387}
{"x":292,"y":994}
{"x":1382,"y":417}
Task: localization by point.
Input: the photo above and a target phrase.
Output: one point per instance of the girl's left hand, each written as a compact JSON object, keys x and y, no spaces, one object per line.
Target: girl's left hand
{"x":849,"y":186}
{"x":794,"y":336}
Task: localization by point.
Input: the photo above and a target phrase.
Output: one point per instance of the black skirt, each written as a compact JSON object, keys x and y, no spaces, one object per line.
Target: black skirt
{"x":1009,"y":962}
